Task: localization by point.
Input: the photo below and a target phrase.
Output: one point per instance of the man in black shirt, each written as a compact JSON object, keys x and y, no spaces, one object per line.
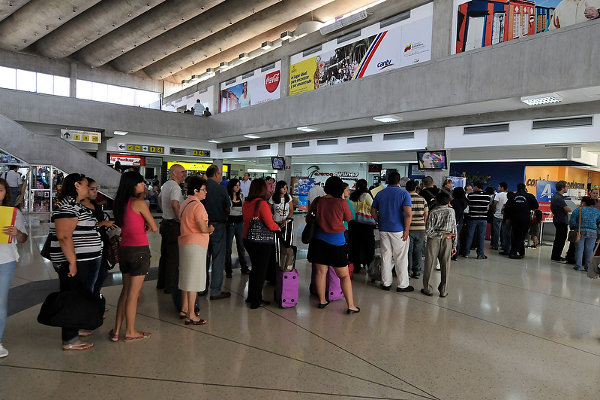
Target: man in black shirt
{"x":560,"y":219}
{"x":479,"y":203}
{"x":518,"y":213}
{"x":429,"y":191}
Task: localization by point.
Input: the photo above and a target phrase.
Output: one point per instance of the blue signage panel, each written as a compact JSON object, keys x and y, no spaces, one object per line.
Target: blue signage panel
{"x":545,"y":190}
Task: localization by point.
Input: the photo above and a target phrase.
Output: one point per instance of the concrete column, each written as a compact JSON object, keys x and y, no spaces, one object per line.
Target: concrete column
{"x":73,"y":82}
{"x":286,"y":174}
{"x":102,"y":152}
{"x":214,"y":106}
{"x":442,"y":27}
{"x":436,"y":140}
{"x":284,"y":76}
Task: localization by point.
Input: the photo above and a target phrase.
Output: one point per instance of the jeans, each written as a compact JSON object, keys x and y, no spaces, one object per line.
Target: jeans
{"x":559,"y":240}
{"x":496,"y":238}
{"x":459,"y":227}
{"x":476,"y":231}
{"x":14,"y":192}
{"x":235,"y":229}
{"x":415,"y":251}
{"x":584,"y":249}
{"x":7,"y":271}
{"x":506,"y":232}
{"x":260,"y":256}
{"x":217,"y":248}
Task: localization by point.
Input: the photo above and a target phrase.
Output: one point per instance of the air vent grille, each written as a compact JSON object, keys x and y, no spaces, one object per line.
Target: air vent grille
{"x":228,"y":150}
{"x":563,"y":123}
{"x":248,"y":75}
{"x":300,"y":144}
{"x":398,"y":135}
{"x":359,"y":139}
{"x":203,"y":91}
{"x":229,"y":82}
{"x":267,"y":67}
{"x":312,"y":50}
{"x":348,"y":36}
{"x":472,"y":130}
{"x":245,"y":148}
{"x":394,"y":18}
{"x":327,"y":142}
{"x":263,"y":147}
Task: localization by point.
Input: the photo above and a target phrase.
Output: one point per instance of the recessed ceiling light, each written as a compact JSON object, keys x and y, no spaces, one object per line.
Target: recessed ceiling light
{"x":240,"y":160}
{"x":387,"y":118}
{"x":542,"y":99}
{"x":122,"y":133}
{"x":306,"y":129}
{"x":250,"y":136}
{"x":213,"y":141}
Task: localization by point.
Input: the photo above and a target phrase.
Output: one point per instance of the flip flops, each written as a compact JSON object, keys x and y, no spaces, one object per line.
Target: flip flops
{"x":113,"y":336}
{"x":77,"y":346}
{"x":144,"y":335}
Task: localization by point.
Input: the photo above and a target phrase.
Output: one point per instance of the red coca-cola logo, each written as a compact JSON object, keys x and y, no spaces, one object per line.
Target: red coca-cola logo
{"x":272,"y":81}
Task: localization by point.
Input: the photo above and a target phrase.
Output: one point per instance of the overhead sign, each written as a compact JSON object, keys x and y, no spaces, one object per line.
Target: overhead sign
{"x":180,"y":151}
{"x":255,"y":87}
{"x":127,"y":161}
{"x":80,"y":136}
{"x":194,"y":166}
{"x":142,"y":148}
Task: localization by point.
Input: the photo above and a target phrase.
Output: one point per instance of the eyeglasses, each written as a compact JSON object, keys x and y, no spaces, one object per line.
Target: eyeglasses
{"x":204,"y":190}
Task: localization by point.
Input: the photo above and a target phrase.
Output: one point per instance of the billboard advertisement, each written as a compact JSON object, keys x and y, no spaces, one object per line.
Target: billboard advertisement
{"x":258,"y":86}
{"x":377,"y":49}
{"x":482,"y":23}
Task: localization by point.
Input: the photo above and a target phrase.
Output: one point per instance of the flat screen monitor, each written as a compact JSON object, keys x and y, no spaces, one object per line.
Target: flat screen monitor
{"x":278,"y":162}
{"x":432,"y":159}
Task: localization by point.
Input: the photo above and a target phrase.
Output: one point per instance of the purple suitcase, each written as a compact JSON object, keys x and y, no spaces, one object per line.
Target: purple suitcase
{"x":334,"y":289}
{"x":286,"y":288}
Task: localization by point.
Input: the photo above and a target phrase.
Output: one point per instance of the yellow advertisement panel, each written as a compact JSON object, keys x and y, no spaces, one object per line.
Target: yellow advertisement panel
{"x":195,"y":166}
{"x":304,"y":76}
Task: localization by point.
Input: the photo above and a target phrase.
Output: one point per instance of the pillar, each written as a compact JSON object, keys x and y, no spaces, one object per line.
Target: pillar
{"x":101,"y":153}
{"x":441,"y":44}
{"x":73,"y":80}
{"x":284,"y":76}
{"x":286,"y":174}
{"x":436,"y":140}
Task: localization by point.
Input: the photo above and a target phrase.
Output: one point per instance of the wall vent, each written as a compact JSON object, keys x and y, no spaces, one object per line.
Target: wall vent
{"x":394,"y":18}
{"x":227,"y":150}
{"x":312,"y":50}
{"x":248,"y":75}
{"x":398,"y":135}
{"x":472,"y":130}
{"x":267,"y":67}
{"x":359,"y":139}
{"x":327,"y":142}
{"x":300,"y":144}
{"x":189,"y":96}
{"x":348,"y":36}
{"x":229,"y":82}
{"x":203,"y":91}
{"x":263,"y":147}
{"x":563,"y":123}
{"x":245,"y":148}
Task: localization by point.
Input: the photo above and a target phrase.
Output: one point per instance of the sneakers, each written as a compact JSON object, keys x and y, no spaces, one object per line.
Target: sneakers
{"x":482,"y":257}
{"x":406,"y":289}
{"x":222,"y":295}
{"x":3,"y":351}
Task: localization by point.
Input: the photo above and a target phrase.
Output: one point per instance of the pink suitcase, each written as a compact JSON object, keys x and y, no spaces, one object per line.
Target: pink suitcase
{"x":334,"y":289}
{"x":286,"y":288}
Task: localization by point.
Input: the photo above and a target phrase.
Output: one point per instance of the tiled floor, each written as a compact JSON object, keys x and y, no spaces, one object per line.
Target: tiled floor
{"x":509,"y":329}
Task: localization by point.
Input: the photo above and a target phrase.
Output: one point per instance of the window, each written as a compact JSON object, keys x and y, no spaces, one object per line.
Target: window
{"x":62,"y":86}
{"x":45,"y":83}
{"x":128,"y":96}
{"x":8,"y":78}
{"x":26,"y":80}
{"x":115,"y":94}
{"x":99,"y":91}
{"x":84,"y":90}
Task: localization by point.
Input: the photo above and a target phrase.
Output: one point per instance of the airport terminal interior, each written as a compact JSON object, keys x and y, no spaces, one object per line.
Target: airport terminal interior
{"x":489,"y":91}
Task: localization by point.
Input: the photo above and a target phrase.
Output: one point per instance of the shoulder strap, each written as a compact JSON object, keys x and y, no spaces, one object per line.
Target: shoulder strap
{"x":181,"y":213}
{"x":256,"y":208}
{"x":579,"y":228}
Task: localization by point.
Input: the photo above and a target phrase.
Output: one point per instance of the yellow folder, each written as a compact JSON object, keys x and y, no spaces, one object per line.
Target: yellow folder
{"x":8,"y":215}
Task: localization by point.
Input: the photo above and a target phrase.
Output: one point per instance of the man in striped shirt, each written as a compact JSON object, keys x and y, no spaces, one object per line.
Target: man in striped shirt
{"x":479,"y":203}
{"x":420,"y":211}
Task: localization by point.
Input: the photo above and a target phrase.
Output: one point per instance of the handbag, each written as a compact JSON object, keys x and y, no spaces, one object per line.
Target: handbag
{"x":45,"y":252}
{"x":112,"y":244}
{"x":257,"y":231}
{"x":574,"y":236}
{"x":309,"y":230}
{"x":363,"y":213}
{"x":75,"y":308}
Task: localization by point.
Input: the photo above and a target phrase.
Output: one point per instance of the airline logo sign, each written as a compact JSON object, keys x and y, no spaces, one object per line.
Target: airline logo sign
{"x":80,"y":136}
{"x":142,"y":148}
{"x":272,"y":81}
{"x":127,"y":161}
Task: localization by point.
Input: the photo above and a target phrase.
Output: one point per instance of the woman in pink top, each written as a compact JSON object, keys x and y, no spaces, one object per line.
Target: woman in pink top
{"x":133,"y":216}
{"x":193,"y":245}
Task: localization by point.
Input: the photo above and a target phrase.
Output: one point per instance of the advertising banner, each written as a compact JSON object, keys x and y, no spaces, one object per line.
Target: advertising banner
{"x":258,"y":88}
{"x":482,"y":23}
{"x":405,"y":43}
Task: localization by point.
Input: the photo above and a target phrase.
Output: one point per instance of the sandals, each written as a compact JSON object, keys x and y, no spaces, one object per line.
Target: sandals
{"x":189,"y":321}
{"x":77,"y":346}
{"x":182,"y":315}
{"x":83,"y":333}
{"x":113,"y":336}
{"x":144,"y":335}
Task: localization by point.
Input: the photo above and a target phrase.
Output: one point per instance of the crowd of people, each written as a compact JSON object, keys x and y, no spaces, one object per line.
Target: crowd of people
{"x":418,"y":228}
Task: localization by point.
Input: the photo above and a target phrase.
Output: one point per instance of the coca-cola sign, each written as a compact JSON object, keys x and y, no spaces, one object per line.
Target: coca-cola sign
{"x":272,"y":81}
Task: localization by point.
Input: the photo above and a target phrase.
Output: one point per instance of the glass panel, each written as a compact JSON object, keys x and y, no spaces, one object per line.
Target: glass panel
{"x":41,"y":200}
{"x":128,"y":97}
{"x":45,"y":83}
{"x":84,"y":89}
{"x":62,"y":86}
{"x":26,"y":80}
{"x":145,"y":98}
{"x":99,"y":91}
{"x":115,"y":94}
{"x":8,"y":78}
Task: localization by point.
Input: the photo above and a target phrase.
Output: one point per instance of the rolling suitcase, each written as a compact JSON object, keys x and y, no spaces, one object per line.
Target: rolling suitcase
{"x":375,"y":269}
{"x":286,"y":288}
{"x":334,"y":289}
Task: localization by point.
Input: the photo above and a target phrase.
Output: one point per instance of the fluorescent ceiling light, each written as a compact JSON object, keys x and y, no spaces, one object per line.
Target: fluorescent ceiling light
{"x":257,"y":170}
{"x":250,"y":136}
{"x":240,"y":160}
{"x":121,"y":133}
{"x":306,"y":129}
{"x":542,"y":99}
{"x":387,"y":118}
{"x":510,"y":160}
{"x":213,"y":141}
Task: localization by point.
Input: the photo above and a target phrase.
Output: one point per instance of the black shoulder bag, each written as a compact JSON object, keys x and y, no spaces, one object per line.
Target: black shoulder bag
{"x":258,"y":232}
{"x":309,"y":230}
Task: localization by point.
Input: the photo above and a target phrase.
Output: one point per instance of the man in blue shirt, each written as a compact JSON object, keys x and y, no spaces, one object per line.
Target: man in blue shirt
{"x":392,"y":210}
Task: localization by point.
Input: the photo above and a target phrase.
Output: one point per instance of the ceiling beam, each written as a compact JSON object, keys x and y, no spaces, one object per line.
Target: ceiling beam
{"x":91,"y":25}
{"x":9,"y":7}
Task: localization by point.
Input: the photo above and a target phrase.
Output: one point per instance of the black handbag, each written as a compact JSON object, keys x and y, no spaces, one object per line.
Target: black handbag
{"x":75,"y":308}
{"x":309,"y":230}
{"x":258,"y":232}
{"x":45,"y":252}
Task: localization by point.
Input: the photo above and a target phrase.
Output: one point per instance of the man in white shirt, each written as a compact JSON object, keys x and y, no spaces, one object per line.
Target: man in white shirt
{"x":14,"y":180}
{"x":170,"y":198}
{"x":499,"y":201}
{"x":570,"y":12}
{"x":316,"y":191}
{"x":245,"y":184}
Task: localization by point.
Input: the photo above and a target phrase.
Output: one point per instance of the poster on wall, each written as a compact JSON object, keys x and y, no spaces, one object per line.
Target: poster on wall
{"x":405,"y":43}
{"x":482,"y":23}
{"x":242,"y":92}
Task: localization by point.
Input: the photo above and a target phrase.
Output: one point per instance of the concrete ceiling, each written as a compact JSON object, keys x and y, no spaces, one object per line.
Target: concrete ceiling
{"x":164,"y":39}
